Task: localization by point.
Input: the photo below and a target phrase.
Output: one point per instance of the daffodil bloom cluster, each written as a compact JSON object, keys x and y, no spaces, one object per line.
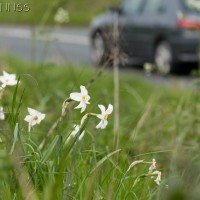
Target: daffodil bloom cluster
{"x":61,"y":16}
{"x":154,"y":171}
{"x":6,"y":80}
{"x":104,"y":116}
{"x":83,"y":98}
{"x":34,"y":117}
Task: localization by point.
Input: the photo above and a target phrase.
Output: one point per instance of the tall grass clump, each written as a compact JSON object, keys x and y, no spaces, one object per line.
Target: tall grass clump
{"x":49,"y":150}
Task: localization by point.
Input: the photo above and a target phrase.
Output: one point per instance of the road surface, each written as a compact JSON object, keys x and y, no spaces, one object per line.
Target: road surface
{"x":64,"y":45}
{"x":61,"y":45}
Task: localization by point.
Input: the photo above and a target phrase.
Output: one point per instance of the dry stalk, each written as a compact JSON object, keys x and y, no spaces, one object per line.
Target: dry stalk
{"x":55,"y":124}
{"x":99,"y":73}
{"x":143,"y":117}
{"x":116,"y":55}
{"x":23,"y":178}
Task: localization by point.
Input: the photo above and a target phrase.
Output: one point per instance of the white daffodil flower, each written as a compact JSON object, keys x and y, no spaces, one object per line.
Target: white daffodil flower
{"x":76,"y":130}
{"x":81,"y":97}
{"x":8,"y":79}
{"x":153,"y":166}
{"x":158,"y":179}
{"x":2,"y":115}
{"x":34,"y":117}
{"x":104,"y":116}
{"x":61,"y":16}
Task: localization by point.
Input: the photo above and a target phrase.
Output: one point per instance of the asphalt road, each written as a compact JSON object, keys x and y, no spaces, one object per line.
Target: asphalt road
{"x":64,"y":45}
{"x":61,"y":45}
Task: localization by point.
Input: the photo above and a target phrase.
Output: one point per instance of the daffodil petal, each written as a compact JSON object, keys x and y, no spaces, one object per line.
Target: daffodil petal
{"x":104,"y":124}
{"x":33,"y":123}
{"x":28,"y":118}
{"x":88,"y":98}
{"x":5,"y":73}
{"x":3,"y":86}
{"x":11,"y":83}
{"x":42,"y":116}
{"x":102,"y":108}
{"x":83,"y":107}
{"x":1,"y":78}
{"x":100,"y":116}
{"x":75,"y":96}
{"x":32,"y":111}
{"x":2,"y":116}
{"x":80,"y":105}
{"x":83,"y":90}
{"x":38,"y":120}
{"x":110,"y":109}
{"x":99,"y":125}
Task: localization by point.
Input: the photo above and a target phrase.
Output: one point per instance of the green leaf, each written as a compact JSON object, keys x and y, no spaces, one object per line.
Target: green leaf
{"x":50,"y":148}
{"x":16,"y":131}
{"x":104,"y":159}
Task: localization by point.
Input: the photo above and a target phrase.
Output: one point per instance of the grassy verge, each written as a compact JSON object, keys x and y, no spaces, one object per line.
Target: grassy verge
{"x":155,"y":122}
{"x":81,"y":11}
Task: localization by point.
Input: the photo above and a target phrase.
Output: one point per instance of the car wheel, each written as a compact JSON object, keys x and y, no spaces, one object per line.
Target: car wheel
{"x":98,"y":49}
{"x":163,"y":58}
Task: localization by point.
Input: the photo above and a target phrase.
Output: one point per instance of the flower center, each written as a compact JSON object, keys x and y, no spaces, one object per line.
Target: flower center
{"x":84,"y":98}
{"x":105,"y":116}
{"x":35,"y":117}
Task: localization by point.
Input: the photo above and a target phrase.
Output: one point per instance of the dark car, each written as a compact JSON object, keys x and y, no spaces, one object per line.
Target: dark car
{"x":164,"y":32}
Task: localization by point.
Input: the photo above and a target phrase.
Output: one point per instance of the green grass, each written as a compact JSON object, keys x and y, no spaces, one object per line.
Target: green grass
{"x":81,"y":11}
{"x":155,"y":122}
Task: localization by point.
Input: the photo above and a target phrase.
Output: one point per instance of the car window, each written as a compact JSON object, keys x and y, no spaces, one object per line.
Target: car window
{"x":131,"y":7}
{"x":154,"y":6}
{"x":191,"y":6}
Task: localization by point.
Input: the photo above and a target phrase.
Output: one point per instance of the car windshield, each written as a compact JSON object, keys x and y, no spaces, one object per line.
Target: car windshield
{"x":191,"y":6}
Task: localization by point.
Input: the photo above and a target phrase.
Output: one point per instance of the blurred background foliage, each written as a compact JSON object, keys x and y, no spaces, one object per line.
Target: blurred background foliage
{"x":81,"y":11}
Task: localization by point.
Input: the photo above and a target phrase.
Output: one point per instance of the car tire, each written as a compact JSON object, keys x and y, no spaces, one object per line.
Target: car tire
{"x":163,"y":58}
{"x":98,"y":49}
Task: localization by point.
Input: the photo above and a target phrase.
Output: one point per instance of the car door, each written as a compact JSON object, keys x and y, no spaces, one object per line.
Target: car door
{"x":128,"y":21}
{"x":139,"y":26}
{"x":152,"y":24}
